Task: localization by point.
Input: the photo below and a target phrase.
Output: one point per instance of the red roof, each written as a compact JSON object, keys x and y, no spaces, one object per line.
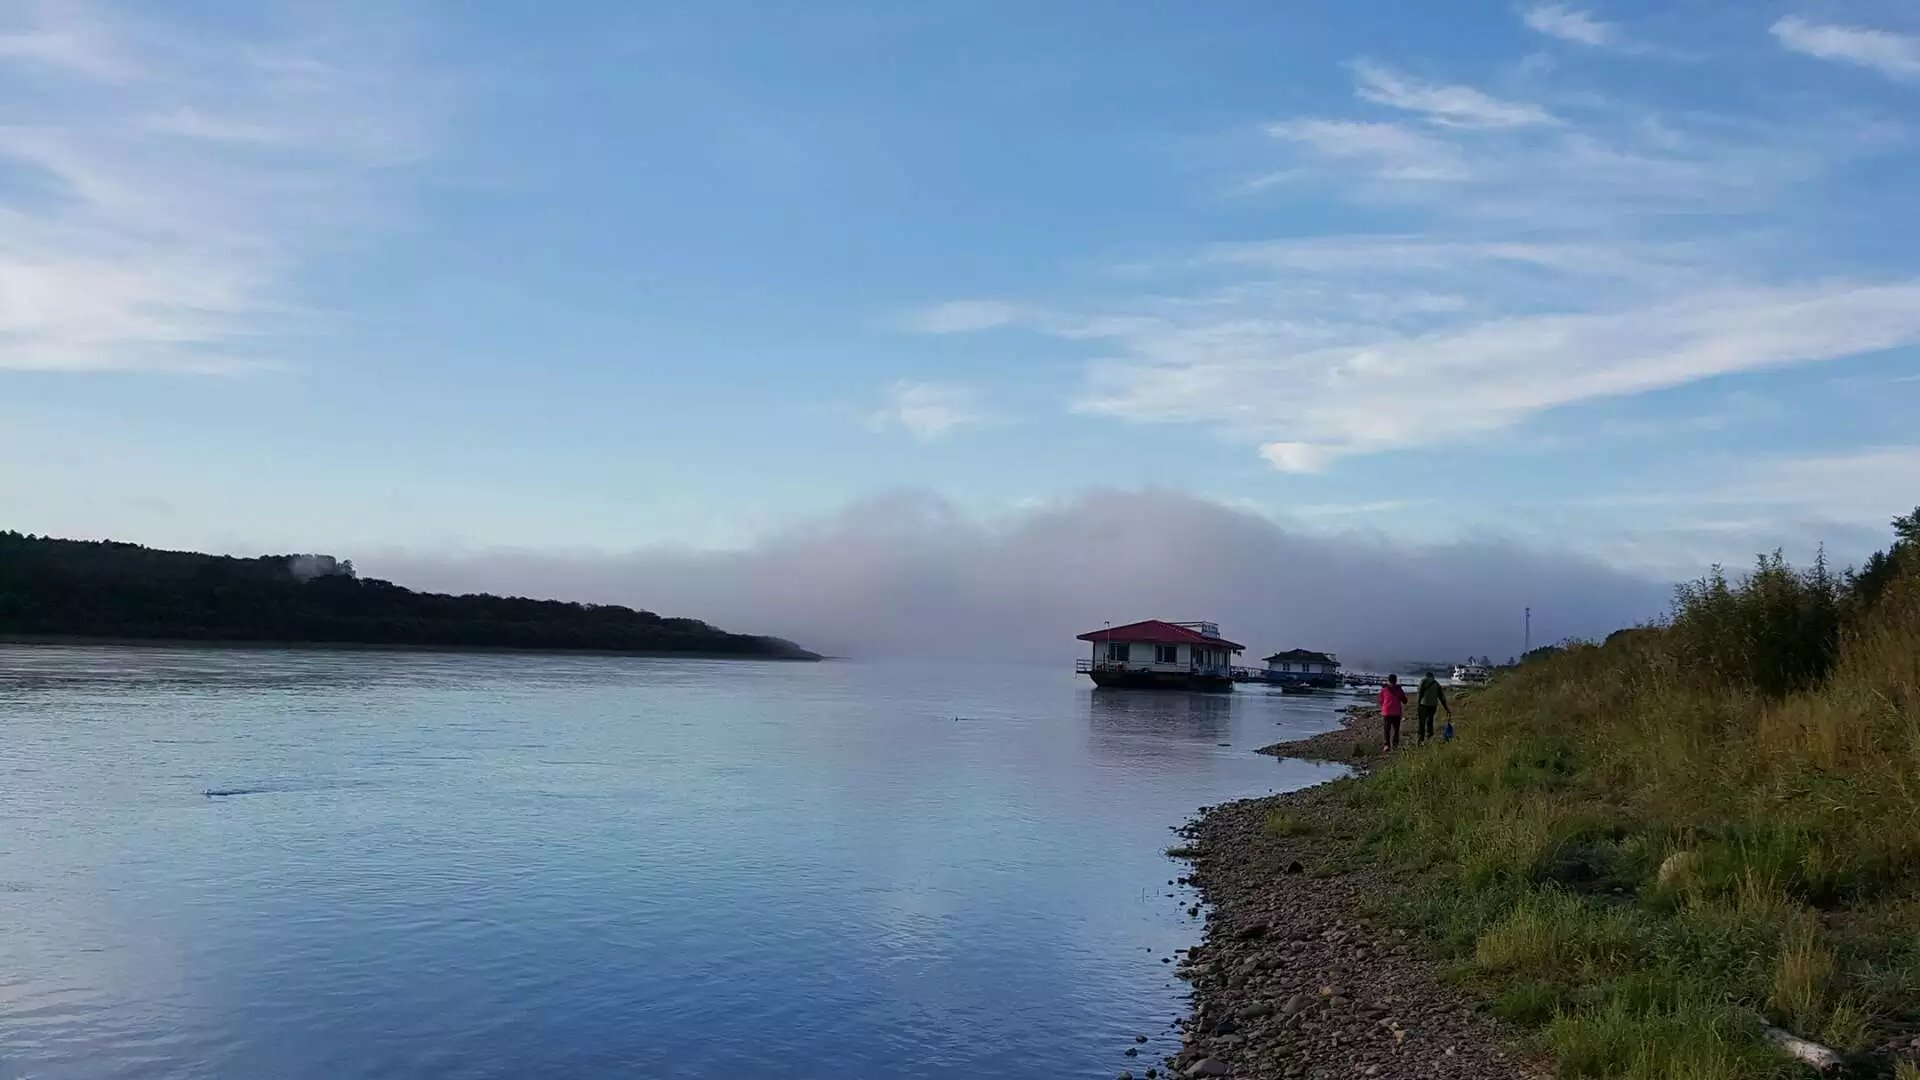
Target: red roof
{"x":1158,"y":632}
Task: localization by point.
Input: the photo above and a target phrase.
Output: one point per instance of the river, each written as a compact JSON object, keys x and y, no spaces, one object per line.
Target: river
{"x":448,"y":865}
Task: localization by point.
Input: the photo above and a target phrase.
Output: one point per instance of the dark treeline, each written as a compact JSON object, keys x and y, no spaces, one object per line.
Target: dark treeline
{"x":106,"y":589}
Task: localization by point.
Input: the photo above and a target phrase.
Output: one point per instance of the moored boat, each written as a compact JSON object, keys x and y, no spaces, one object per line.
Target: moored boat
{"x":1471,"y":673}
{"x":1160,"y":655}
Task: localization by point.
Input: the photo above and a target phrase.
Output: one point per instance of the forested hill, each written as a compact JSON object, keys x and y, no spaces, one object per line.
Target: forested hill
{"x":105,"y":589}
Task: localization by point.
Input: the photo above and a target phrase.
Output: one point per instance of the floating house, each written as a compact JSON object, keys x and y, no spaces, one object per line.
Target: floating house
{"x":1160,"y":655}
{"x":1303,"y":669}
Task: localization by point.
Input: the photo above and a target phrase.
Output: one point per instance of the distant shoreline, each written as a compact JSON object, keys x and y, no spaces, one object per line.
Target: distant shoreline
{"x":107,"y":592}
{"x":58,"y":640}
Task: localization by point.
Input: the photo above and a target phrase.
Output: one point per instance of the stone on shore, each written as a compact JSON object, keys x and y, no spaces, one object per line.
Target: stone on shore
{"x":1297,"y":976}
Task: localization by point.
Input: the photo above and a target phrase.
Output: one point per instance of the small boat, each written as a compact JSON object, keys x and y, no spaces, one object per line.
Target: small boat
{"x":1471,"y":673}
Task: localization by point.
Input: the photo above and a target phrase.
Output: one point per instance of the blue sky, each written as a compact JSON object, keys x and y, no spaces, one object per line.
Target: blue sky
{"x":1633,"y":280}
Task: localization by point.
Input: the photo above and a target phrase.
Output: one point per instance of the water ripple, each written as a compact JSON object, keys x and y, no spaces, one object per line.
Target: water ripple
{"x":507,"y":866}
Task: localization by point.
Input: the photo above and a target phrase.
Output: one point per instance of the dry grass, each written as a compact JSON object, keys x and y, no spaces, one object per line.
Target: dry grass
{"x":1802,"y":978}
{"x":1644,"y":861}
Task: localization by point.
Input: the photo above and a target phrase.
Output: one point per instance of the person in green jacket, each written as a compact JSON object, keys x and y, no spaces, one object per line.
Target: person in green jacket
{"x":1432,"y":698}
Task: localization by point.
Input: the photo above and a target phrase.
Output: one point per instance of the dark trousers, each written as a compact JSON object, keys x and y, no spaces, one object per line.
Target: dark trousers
{"x":1392,"y":726}
{"x":1426,"y":721}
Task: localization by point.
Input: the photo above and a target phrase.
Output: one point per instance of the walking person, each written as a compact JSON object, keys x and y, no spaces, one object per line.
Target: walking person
{"x":1393,"y":705}
{"x":1430,"y":699}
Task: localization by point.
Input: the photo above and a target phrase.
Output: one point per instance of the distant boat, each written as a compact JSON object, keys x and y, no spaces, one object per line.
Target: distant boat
{"x":1471,"y":673}
{"x":1160,"y":655}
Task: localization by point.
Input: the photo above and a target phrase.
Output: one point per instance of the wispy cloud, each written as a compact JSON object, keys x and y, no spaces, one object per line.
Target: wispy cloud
{"x":1312,"y":401}
{"x":1572,"y":24}
{"x":169,"y":180}
{"x":1390,"y":151}
{"x":1894,"y":55}
{"x":1292,"y":457}
{"x":1449,"y":106}
{"x":961,"y":316}
{"x":1728,"y":510}
{"x":1622,"y":164}
{"x":927,"y":410}
{"x":1539,"y":260}
{"x":70,"y":38}
{"x":1875,"y":482}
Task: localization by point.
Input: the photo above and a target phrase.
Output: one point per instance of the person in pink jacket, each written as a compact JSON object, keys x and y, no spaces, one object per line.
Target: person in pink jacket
{"x":1393,"y":705}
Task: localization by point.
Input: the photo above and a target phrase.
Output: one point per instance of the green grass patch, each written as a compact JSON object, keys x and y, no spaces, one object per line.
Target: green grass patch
{"x":1642,"y":852}
{"x":1281,"y":823}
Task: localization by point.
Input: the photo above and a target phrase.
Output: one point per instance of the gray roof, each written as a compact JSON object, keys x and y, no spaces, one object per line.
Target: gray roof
{"x":1306,"y":656}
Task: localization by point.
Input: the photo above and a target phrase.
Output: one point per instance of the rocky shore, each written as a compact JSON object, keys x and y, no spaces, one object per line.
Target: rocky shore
{"x":1359,"y":730}
{"x":1302,"y":974}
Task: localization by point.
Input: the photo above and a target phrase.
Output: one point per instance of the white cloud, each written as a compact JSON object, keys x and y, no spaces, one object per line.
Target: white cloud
{"x":1556,"y":265}
{"x":961,"y":316}
{"x":1726,"y":510}
{"x":1869,"y":484}
{"x":1894,"y":55}
{"x":65,"y":37}
{"x":1311,"y":399}
{"x":927,"y":410}
{"x":168,"y":181}
{"x":1391,"y":151}
{"x":196,"y":124}
{"x":1572,"y":24}
{"x":1295,"y":457}
{"x":1449,"y":106}
{"x":1537,"y":262}
{"x":1590,"y":176}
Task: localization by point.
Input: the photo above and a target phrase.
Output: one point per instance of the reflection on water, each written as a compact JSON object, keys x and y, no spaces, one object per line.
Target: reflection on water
{"x":1158,"y":726}
{"x":344,"y":864}
{"x":1167,"y":713}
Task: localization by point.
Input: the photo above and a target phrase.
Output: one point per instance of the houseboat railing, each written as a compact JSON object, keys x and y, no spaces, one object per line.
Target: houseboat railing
{"x":1085,"y":665}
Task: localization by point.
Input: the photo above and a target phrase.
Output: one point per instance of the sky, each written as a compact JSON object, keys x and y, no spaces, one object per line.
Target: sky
{"x":580,"y":297}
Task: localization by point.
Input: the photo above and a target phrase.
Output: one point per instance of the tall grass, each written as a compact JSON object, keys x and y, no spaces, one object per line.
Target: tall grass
{"x":1646,"y":848}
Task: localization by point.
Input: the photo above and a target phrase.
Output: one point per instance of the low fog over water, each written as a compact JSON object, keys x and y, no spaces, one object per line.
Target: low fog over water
{"x":911,"y":575}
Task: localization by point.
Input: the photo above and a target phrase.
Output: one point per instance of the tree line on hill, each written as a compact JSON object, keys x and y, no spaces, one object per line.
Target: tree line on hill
{"x":108,"y":589}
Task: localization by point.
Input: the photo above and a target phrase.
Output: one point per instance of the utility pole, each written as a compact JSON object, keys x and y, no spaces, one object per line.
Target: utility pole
{"x":1529,"y":647}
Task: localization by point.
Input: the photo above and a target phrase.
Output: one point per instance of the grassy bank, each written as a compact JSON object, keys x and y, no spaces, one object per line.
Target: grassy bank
{"x":1647,"y":850}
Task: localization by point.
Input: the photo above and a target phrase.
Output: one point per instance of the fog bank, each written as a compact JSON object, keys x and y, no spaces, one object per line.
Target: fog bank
{"x":909,"y":574}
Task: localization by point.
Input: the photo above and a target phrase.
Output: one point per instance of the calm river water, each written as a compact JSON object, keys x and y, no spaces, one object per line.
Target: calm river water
{"x":511,"y":866}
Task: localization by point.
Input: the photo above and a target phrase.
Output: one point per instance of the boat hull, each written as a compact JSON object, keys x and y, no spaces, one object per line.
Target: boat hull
{"x":1161,"y":680}
{"x":1301,"y":683}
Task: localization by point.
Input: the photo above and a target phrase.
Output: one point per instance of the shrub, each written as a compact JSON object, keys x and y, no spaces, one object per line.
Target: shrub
{"x":1643,"y":847}
{"x":1776,"y":631}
